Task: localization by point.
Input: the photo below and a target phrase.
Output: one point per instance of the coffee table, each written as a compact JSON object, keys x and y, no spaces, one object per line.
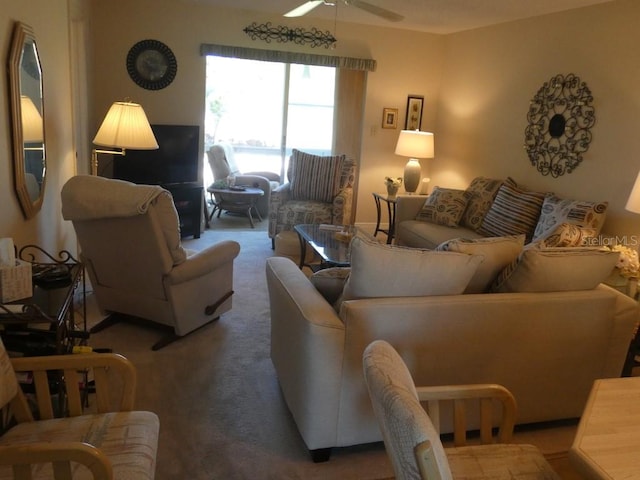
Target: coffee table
{"x":238,"y":200}
{"x":331,"y":242}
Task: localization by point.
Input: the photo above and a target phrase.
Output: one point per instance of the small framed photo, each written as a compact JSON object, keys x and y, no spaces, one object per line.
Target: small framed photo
{"x":389,"y":118}
{"x":414,"y":112}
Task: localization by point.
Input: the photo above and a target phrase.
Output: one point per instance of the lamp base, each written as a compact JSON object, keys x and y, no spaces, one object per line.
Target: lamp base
{"x":412,"y":172}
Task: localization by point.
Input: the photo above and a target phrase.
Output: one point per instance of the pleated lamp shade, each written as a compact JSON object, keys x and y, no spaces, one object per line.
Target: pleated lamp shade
{"x":126,"y":126}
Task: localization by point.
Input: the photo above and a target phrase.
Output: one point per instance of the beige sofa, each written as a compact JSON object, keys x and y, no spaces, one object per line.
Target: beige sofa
{"x":547,"y":348}
{"x":494,"y":208}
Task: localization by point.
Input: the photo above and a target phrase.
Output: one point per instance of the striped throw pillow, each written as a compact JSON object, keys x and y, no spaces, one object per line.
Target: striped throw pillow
{"x":515,"y":210}
{"x":314,"y":177}
{"x":556,"y":211}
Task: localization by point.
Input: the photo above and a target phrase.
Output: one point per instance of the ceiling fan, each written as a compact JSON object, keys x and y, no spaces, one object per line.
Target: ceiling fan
{"x":367,"y":7}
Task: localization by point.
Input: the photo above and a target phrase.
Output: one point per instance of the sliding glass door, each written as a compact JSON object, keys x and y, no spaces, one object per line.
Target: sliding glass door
{"x":265,"y":109}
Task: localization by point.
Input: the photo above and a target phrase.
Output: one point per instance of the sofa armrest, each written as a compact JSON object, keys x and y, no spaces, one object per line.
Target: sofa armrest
{"x":307,"y":348}
{"x":204,"y":261}
{"x":408,"y":206}
{"x":271,"y":176}
{"x":342,"y":203}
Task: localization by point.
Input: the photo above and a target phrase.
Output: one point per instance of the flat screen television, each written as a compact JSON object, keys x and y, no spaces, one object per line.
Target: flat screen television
{"x":174,"y":162}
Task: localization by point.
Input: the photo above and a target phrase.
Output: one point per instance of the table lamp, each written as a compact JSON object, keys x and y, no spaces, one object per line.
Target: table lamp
{"x":633,"y":202}
{"x":414,"y":144}
{"x":124,"y":126}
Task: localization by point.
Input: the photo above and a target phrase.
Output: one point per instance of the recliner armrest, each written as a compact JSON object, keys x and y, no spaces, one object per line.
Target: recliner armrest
{"x":204,"y":261}
{"x":271,"y":176}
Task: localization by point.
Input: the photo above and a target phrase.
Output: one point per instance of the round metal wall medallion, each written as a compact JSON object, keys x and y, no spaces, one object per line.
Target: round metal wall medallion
{"x":151,"y":64}
{"x":560,"y":118}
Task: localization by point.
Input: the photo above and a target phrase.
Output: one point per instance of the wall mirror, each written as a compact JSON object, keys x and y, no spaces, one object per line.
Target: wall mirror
{"x":27,"y":113}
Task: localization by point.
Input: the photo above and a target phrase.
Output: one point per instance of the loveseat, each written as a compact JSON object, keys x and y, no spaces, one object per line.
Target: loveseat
{"x":547,"y":347}
{"x":494,"y":207}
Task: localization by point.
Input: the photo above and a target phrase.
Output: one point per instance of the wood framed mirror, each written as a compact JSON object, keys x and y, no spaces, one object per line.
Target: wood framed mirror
{"x":27,"y":114}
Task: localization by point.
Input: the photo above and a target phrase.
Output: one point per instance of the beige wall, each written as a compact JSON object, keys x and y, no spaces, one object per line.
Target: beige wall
{"x":48,"y":19}
{"x":408,"y":63}
{"x":490,"y":76}
{"x":477,"y":87}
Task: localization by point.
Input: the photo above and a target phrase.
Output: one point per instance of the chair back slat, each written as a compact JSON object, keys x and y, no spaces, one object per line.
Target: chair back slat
{"x":43,"y":395}
{"x":72,"y":383}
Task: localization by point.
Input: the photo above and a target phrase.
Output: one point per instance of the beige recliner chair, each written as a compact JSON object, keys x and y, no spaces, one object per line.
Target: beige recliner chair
{"x":129,"y":239}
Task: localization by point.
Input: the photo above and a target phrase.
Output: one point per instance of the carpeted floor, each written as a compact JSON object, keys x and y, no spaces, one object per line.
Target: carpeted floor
{"x":221,"y":412}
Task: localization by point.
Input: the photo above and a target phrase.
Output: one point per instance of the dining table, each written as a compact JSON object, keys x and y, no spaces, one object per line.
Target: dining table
{"x":607,"y":441}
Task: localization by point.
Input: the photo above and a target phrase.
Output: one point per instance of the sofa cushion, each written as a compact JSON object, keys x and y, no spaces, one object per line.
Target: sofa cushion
{"x":556,"y":210}
{"x":556,"y":270}
{"x":482,"y":191}
{"x":415,"y":234}
{"x":568,"y":235}
{"x":380,"y":270}
{"x":444,"y":206}
{"x":314,"y":177}
{"x":330,"y":282}
{"x":515,"y":210}
{"x":498,"y":253}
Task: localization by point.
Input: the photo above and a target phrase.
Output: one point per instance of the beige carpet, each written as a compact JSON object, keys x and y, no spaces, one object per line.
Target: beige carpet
{"x":221,"y":411}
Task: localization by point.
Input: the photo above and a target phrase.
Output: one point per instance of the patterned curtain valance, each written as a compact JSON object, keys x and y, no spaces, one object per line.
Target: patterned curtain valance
{"x":288,"y":57}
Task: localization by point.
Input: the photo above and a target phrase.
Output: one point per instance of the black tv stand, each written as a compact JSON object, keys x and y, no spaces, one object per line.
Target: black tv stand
{"x":188,"y":199}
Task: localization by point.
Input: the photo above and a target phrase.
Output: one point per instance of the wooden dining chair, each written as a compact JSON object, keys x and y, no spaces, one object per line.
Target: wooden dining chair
{"x":411,"y":435}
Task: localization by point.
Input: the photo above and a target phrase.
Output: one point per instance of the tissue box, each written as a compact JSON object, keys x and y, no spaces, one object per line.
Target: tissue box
{"x":15,"y":282}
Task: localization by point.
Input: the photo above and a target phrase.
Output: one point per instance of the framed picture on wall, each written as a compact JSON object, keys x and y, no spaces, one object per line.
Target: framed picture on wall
{"x":389,"y":118}
{"x":414,"y":112}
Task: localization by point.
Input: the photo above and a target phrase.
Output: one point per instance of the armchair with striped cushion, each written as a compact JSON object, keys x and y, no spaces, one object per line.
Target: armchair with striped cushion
{"x":319,"y":190}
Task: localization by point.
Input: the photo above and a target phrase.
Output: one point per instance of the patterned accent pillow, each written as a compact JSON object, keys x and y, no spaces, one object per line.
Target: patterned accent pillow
{"x":498,"y":253}
{"x":556,"y":210}
{"x":482,"y":191}
{"x":515,"y":210}
{"x":568,"y":235}
{"x":444,"y":206}
{"x":314,"y":177}
{"x":556,"y":270}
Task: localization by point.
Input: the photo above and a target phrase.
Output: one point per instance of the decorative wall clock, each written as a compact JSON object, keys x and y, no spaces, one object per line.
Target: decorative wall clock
{"x":560,"y":119}
{"x":151,"y":64}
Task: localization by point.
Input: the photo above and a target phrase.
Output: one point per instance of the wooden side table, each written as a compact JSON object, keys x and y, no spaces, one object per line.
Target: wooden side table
{"x":391,"y":215}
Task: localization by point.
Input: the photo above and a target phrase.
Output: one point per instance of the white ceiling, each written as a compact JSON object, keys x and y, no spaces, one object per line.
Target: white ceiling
{"x":434,"y":16}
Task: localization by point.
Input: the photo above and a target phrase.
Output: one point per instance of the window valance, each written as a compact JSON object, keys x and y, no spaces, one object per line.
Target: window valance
{"x":350,"y":63}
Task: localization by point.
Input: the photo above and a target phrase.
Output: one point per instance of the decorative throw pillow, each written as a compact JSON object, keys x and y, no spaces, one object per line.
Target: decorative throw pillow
{"x":444,"y":206}
{"x":481,"y":191}
{"x":498,"y":253}
{"x":556,"y":270}
{"x":568,"y":235}
{"x":380,"y":270}
{"x":314,"y":177}
{"x":330,"y":282}
{"x":515,"y":210}
{"x":556,"y":210}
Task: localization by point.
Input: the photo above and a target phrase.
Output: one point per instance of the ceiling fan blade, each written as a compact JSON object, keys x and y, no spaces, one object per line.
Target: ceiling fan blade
{"x":304,"y":8}
{"x":380,"y":12}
